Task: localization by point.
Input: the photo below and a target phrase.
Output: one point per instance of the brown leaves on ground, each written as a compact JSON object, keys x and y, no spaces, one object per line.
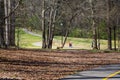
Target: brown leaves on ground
{"x":38,"y":65}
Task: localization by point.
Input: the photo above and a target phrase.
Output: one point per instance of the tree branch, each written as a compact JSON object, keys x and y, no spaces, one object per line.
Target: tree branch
{"x":13,"y":10}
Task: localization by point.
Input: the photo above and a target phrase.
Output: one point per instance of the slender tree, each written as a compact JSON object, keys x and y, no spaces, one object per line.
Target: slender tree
{"x":43,"y":26}
{"x":109,"y":29}
{"x":2,"y":39}
{"x":94,"y":43}
{"x":12,"y":25}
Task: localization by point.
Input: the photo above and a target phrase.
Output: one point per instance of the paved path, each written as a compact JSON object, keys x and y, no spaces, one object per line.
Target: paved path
{"x":108,"y":72}
{"x":32,"y":33}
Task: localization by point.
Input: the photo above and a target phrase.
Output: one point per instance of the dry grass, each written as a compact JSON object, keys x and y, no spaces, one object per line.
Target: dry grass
{"x":40,"y":65}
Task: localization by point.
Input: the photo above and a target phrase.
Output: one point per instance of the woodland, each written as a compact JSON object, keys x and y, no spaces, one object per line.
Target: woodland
{"x":93,"y":21}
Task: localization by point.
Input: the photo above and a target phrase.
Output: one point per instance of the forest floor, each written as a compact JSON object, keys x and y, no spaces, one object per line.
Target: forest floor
{"x":50,"y":65}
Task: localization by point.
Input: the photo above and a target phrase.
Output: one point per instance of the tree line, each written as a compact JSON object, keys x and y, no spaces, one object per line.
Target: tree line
{"x":94,"y":18}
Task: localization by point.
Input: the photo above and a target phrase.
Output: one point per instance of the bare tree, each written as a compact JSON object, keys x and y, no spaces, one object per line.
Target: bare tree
{"x":94,"y":43}
{"x":109,"y":29}
{"x":43,"y":26}
{"x":6,"y":34}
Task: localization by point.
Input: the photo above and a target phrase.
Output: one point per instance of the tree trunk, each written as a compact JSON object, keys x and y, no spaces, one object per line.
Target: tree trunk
{"x":2,"y":41}
{"x":43,"y":27}
{"x":94,"y":36}
{"x":6,"y":23}
{"x":52,"y":27}
{"x":9,"y":21}
{"x":94,"y":43}
{"x":118,"y":41}
{"x":118,"y":33}
{"x":65,"y":39}
{"x":98,"y":43}
{"x":49,"y":41}
{"x":109,"y":38}
{"x":67,"y":32}
{"x":12,"y":26}
{"x":109,"y":30}
{"x":7,"y":30}
{"x":115,"y":38}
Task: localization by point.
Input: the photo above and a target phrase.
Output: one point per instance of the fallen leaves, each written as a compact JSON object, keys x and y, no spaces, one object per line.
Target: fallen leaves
{"x":38,"y":65}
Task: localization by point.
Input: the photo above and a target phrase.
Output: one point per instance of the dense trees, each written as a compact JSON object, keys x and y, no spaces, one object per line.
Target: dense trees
{"x":112,"y":7}
{"x":50,"y":20}
{"x":82,"y":18}
{"x":7,"y":23}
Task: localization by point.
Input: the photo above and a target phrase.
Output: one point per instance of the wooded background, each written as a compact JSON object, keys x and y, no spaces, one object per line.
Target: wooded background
{"x":96,"y":19}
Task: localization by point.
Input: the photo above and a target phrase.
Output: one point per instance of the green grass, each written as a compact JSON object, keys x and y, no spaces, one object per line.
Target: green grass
{"x":27,"y":40}
{"x":83,"y":43}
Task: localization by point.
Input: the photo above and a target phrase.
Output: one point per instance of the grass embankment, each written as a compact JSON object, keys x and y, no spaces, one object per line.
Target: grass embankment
{"x":30,"y":41}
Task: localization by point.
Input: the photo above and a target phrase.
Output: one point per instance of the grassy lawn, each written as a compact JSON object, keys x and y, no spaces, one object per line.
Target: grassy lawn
{"x":26,"y":39}
{"x":30,"y":41}
{"x":82,"y":43}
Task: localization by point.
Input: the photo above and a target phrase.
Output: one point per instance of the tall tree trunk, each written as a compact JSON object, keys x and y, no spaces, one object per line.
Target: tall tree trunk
{"x":53,"y":15}
{"x":65,"y":39}
{"x":118,"y":33}
{"x":115,"y":38}
{"x":43,"y":26}
{"x":52,"y":28}
{"x":118,"y":41}
{"x":9,"y":21}
{"x":118,"y":29}
{"x":49,"y":41}
{"x":94,"y":36}
{"x":109,"y":38}
{"x":51,"y":25}
{"x":67,"y":31}
{"x":94,"y":43}
{"x":98,"y":43}
{"x":12,"y":25}
{"x":2,"y":41}
{"x":6,"y":22}
{"x":109,"y":29}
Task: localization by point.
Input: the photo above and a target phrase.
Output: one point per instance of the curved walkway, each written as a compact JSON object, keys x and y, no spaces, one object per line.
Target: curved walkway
{"x":34,"y":34}
{"x":108,"y":72}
